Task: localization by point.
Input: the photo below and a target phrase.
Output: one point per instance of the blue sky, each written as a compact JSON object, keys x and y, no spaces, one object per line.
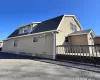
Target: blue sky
{"x":14,"y":13}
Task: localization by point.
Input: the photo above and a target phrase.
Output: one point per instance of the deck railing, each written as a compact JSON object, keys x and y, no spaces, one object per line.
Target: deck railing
{"x":79,"y":50}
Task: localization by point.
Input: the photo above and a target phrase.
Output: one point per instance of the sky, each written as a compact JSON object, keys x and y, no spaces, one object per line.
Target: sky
{"x":15,"y":13}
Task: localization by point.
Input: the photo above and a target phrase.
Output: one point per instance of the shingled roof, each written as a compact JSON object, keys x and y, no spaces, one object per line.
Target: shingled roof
{"x":47,"y":25}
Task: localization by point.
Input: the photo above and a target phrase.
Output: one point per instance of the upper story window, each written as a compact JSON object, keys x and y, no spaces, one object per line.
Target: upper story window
{"x":73,"y":27}
{"x":25,"y":30}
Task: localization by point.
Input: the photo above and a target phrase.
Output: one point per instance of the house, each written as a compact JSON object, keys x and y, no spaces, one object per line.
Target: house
{"x":97,"y":40}
{"x":41,"y":38}
{"x":1,"y":45}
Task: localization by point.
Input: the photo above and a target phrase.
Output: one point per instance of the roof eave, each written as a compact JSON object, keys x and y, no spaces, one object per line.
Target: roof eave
{"x":32,"y":34}
{"x":78,"y":34}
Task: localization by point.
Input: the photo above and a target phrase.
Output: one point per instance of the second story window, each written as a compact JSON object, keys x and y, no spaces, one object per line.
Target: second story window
{"x":25,"y":30}
{"x":73,"y":27}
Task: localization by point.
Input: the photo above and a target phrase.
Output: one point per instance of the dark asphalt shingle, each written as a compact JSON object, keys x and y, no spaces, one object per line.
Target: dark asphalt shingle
{"x":47,"y":25}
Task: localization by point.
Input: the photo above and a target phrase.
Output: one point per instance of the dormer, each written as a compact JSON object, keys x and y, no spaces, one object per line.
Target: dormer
{"x":28,"y":27}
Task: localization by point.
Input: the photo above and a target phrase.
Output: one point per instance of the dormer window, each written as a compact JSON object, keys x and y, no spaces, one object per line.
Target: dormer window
{"x":25,"y":30}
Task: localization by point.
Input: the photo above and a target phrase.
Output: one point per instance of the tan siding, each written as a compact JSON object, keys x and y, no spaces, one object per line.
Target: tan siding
{"x":44,"y":46}
{"x":79,"y":40}
{"x":97,"y":41}
{"x":65,"y":30}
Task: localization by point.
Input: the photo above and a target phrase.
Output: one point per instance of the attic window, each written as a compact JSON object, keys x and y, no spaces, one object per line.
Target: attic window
{"x":73,"y":27}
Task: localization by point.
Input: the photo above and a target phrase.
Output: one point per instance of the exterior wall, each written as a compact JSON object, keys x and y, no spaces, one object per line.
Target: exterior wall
{"x":42,"y":48}
{"x":64,"y":30}
{"x":79,"y":40}
{"x":97,"y":40}
{"x":29,"y":28}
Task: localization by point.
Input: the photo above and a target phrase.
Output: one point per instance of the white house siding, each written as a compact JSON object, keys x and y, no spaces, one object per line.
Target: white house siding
{"x":43,"y":48}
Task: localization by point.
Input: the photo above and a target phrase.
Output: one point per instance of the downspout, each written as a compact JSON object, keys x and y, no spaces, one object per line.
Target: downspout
{"x":54,"y":45}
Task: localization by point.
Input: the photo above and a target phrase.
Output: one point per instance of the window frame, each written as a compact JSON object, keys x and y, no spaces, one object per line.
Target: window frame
{"x":35,"y":39}
{"x":73,"y":27}
{"x":25,"y":28}
{"x":15,"y":43}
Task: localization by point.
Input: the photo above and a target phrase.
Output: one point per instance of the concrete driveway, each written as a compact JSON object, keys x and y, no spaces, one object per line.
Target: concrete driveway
{"x":41,"y":69}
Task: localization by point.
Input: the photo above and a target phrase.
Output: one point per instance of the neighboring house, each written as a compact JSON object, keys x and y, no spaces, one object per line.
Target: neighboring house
{"x":97,"y":40}
{"x":1,"y":45}
{"x":41,"y":38}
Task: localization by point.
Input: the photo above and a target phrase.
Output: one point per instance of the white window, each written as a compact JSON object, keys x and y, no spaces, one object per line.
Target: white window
{"x":25,"y":30}
{"x":35,"y":39}
{"x":73,"y":27}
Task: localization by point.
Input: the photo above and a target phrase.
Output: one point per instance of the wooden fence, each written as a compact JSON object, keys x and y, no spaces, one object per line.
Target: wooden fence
{"x":79,"y":50}
{"x":79,"y":53}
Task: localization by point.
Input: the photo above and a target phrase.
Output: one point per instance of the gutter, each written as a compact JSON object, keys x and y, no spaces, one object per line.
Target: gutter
{"x":31,"y":34}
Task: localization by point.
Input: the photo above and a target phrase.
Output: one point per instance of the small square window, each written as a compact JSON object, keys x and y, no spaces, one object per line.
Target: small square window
{"x":35,"y":39}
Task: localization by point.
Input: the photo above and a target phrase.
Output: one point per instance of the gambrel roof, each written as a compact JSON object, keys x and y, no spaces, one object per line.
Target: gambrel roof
{"x":44,"y":26}
{"x":51,"y":24}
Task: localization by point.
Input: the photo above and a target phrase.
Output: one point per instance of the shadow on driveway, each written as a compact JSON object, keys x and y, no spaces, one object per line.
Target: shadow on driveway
{"x":4,"y":55}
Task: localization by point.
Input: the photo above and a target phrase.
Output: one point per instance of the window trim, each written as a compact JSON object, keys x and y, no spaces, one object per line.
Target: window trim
{"x":73,"y":27}
{"x":15,"y":43}
{"x":35,"y":39}
{"x":25,"y":28}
